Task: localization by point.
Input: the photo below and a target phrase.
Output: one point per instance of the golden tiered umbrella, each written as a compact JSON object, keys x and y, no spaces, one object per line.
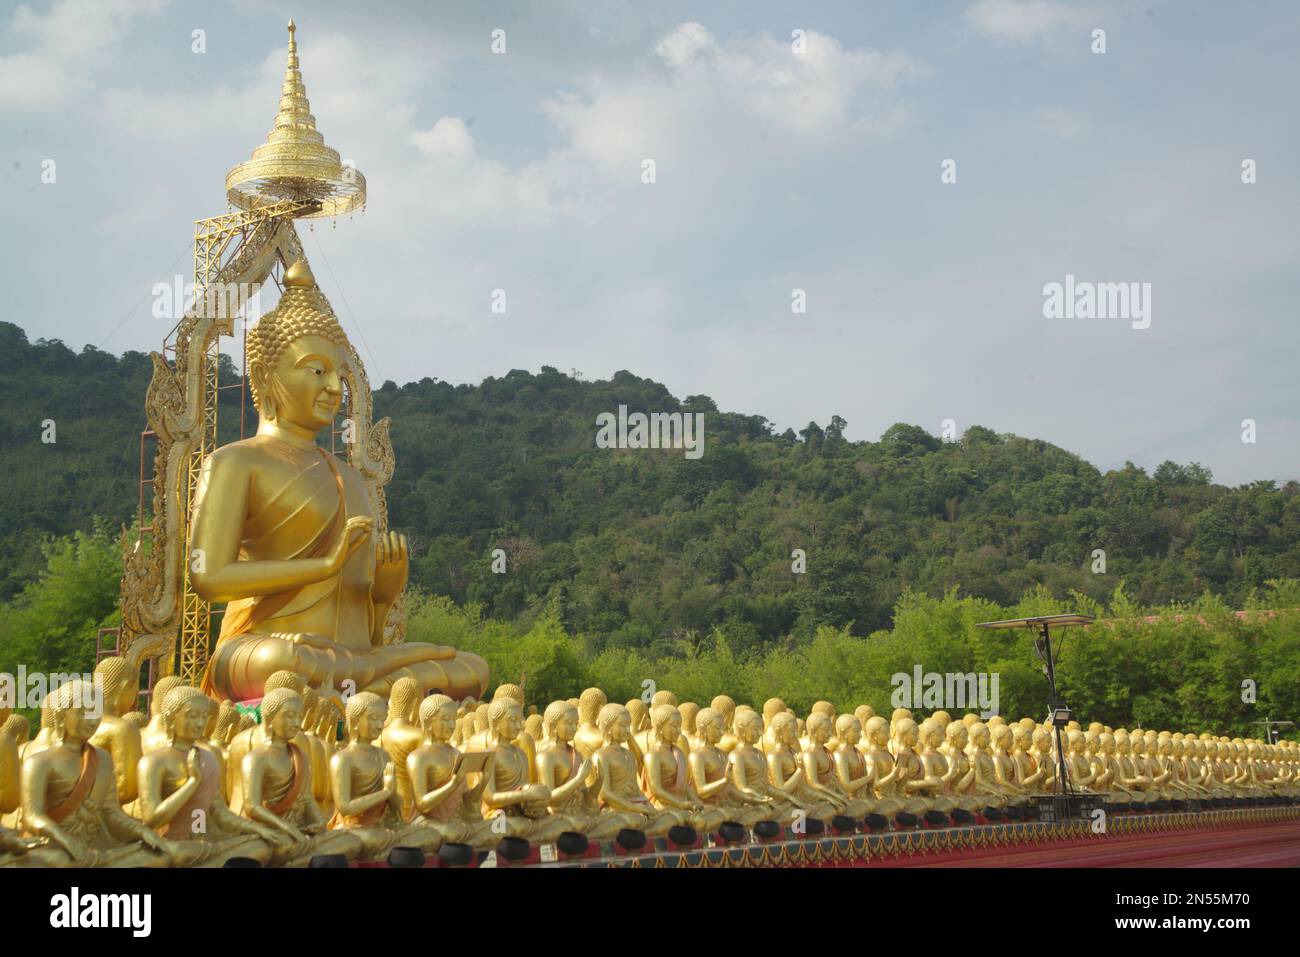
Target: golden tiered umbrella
{"x":294,"y":163}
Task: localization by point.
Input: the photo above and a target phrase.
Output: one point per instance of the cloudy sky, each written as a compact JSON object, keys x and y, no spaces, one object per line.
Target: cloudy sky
{"x":776,"y":169}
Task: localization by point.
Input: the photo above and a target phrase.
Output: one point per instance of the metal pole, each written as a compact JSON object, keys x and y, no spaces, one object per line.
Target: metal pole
{"x":1062,"y":782}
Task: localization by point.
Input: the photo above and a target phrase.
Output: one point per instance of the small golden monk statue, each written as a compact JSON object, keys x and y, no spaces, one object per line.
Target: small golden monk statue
{"x":588,"y":739}
{"x":853,"y":779}
{"x":363,"y":782}
{"x":119,"y":682}
{"x":258,"y":734}
{"x":10,"y":784}
{"x":401,"y":735}
{"x":666,"y":779}
{"x":277,"y":786}
{"x":180,"y":792}
{"x":154,"y":733}
{"x":444,"y":799}
{"x":520,"y":808}
{"x":288,"y":535}
{"x":70,"y":796}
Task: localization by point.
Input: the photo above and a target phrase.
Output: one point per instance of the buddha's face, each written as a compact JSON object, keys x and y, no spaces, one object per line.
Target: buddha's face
{"x":510,"y":723}
{"x":618,"y":729}
{"x":288,"y":720}
{"x":370,"y":722}
{"x":442,"y":723}
{"x":123,"y":696}
{"x":710,"y":730}
{"x":788,"y":734}
{"x":852,"y":733}
{"x":305,"y":383}
{"x":566,"y":726}
{"x":671,"y":729}
{"x":79,"y":725}
{"x":957,"y":736}
{"x":190,"y":721}
{"x":748,"y":731}
{"x":819,"y":732}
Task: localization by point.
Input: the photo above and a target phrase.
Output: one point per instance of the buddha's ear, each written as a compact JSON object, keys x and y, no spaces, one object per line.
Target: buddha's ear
{"x":261,"y":376}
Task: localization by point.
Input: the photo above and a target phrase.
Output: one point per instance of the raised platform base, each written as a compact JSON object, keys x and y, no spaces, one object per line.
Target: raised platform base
{"x":1253,"y":837}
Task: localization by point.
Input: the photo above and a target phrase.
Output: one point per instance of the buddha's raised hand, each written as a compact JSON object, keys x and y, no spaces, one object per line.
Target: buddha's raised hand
{"x":355,"y":534}
{"x":392,"y":565}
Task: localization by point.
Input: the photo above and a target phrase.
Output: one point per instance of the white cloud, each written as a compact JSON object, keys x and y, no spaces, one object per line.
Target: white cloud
{"x":64,"y":45}
{"x":1026,"y":20}
{"x":449,"y":140}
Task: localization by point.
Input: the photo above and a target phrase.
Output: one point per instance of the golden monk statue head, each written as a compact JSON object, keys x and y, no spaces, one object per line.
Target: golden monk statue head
{"x":295,"y":355}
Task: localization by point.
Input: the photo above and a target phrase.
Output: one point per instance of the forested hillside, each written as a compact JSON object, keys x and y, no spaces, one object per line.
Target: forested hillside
{"x":646,"y":549}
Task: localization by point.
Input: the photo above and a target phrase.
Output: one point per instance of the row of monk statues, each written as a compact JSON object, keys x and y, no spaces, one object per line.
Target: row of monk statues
{"x":196,"y":785}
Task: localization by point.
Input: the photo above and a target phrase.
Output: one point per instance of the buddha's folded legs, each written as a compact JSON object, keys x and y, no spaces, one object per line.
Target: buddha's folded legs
{"x":241,"y":665}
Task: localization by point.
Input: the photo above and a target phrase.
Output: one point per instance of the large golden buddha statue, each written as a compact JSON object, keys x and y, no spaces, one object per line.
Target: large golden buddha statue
{"x":287,"y":531}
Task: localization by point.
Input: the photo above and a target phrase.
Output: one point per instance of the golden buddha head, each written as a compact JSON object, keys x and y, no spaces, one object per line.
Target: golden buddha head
{"x":16,"y":727}
{"x":73,"y":709}
{"x":296,"y":355}
{"x":709,"y":725}
{"x":513,"y":692}
{"x":663,"y":697}
{"x":614,"y":723}
{"x":120,"y":682}
{"x":403,"y":700}
{"x":666,"y":723}
{"x":819,"y":727}
{"x":162,"y":687}
{"x":637,"y":711}
{"x":877,"y":730}
{"x":942,"y":717}
{"x":533,"y":723}
{"x":957,"y":735}
{"x":864,"y":713}
{"x":1000,"y":735}
{"x":848,"y":729}
{"x":748,"y":724}
{"x":437,"y":717}
{"x":589,"y":704}
{"x":823,"y":707}
{"x":785,"y":729}
{"x":724,"y":705}
{"x":227,"y":722}
{"x":905,"y":733}
{"x":771,"y":708}
{"x":690,"y":716}
{"x":505,"y":719}
{"x":282,"y":711}
{"x":1020,"y":737}
{"x":560,"y":722}
{"x":185,"y":714}
{"x":364,"y":717}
